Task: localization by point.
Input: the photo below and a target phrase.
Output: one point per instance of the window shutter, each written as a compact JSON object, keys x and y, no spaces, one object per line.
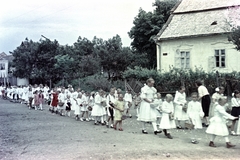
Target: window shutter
{"x":211,"y":63}
{"x":178,"y":59}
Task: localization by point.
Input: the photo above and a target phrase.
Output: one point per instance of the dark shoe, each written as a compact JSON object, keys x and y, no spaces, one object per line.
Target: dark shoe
{"x":115,"y":127}
{"x":156,"y":132}
{"x":205,"y":125}
{"x":194,"y":142}
{"x":229,"y":145}
{"x":144,"y":132}
{"x":95,"y":123}
{"x":179,"y":127}
{"x":165,"y":132}
{"x":169,"y":136}
{"x":120,"y":129}
{"x":211,"y":144}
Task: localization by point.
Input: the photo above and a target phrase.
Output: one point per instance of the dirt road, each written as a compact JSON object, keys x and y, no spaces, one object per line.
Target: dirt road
{"x":38,"y":135}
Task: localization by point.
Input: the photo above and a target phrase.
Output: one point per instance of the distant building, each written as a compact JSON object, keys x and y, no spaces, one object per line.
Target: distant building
{"x":196,"y":35}
{"x":6,"y":76}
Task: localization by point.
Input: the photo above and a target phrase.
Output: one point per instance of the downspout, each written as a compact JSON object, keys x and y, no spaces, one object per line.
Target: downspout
{"x":159,"y":67}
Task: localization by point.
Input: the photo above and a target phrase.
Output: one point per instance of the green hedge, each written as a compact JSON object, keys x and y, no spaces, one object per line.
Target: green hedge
{"x":172,"y":80}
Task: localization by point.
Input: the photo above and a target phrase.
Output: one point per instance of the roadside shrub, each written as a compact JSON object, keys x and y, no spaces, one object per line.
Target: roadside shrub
{"x":172,"y":80}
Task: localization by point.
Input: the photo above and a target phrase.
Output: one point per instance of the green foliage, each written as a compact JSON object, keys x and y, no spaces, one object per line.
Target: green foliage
{"x":96,"y":82}
{"x":172,"y":80}
{"x":235,"y":37}
{"x":146,"y":27}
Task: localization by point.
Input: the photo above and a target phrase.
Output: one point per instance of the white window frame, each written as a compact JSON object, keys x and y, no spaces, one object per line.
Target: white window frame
{"x":182,"y":59}
{"x":220,"y":58}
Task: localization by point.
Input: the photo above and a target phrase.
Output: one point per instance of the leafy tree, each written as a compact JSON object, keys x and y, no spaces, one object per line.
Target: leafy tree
{"x":113,"y":57}
{"x":235,"y":37}
{"x":86,"y":61}
{"x":146,"y":27}
{"x":23,"y":61}
{"x":35,"y":61}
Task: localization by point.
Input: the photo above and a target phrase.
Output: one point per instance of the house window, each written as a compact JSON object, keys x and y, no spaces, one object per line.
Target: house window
{"x":182,"y":59}
{"x":220,"y":58}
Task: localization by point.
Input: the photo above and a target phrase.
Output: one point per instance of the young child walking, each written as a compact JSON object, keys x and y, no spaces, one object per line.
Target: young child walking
{"x":137,"y":102}
{"x":235,"y":102}
{"x":218,"y":125}
{"x":195,"y":114}
{"x":167,"y":121}
{"x":119,"y":109}
{"x":68,"y":105}
{"x":78,"y":107}
{"x":158,"y":100}
{"x":41,"y":99}
{"x":36,"y":100}
{"x":110,"y":100}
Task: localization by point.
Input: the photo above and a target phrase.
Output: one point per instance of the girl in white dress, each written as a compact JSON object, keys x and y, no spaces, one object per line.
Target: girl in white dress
{"x":214,"y":102}
{"x":104,"y":109}
{"x":128,"y":102}
{"x":158,"y":100}
{"x":74,"y":95}
{"x":79,"y":105}
{"x":84,"y":110}
{"x":90,"y":105}
{"x":137,"y":103}
{"x":195,"y":114}
{"x":180,"y":102}
{"x":97,"y":111}
{"x":146,"y":112}
{"x":46,"y":92}
{"x":61,"y":102}
{"x":167,"y":121}
{"x":110,"y":100}
{"x":218,"y":125}
{"x":235,"y":102}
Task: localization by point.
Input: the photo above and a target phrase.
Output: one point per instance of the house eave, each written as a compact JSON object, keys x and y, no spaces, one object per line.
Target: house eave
{"x":190,"y":36}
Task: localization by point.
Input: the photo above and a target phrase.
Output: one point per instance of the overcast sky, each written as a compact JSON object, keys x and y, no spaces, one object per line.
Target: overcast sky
{"x":66,"y":20}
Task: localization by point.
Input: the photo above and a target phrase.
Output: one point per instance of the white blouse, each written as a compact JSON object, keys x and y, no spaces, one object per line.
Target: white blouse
{"x":202,"y":91}
{"x":235,"y":102}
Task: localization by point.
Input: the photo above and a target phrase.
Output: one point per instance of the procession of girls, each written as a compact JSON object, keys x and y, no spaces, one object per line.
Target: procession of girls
{"x":110,"y":109}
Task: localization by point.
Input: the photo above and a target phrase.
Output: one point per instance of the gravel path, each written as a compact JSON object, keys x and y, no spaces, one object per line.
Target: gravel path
{"x":39,"y":135}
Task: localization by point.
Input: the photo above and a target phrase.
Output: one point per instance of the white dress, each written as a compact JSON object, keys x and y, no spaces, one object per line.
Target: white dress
{"x":180,"y":101}
{"x":159,"y":107}
{"x":97,"y":107}
{"x":25,"y":94}
{"x":84,"y":103}
{"x":214,"y":103}
{"x":78,"y":106}
{"x":127,"y":99}
{"x":166,"y":122}
{"x":195,"y":112}
{"x":73,"y":98}
{"x":113,"y":100}
{"x":217,"y":124}
{"x":146,"y":112}
{"x":61,"y":98}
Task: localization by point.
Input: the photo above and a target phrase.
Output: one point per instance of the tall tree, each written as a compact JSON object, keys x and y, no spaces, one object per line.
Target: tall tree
{"x":35,"y":61}
{"x":113,"y":57}
{"x":23,"y":61}
{"x":146,"y":27}
{"x":235,"y":37}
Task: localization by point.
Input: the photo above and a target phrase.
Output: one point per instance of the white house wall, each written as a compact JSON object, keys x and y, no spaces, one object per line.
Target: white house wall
{"x":202,"y":51}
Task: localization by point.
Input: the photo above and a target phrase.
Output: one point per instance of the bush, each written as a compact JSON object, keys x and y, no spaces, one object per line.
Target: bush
{"x":172,"y":80}
{"x":96,"y":82}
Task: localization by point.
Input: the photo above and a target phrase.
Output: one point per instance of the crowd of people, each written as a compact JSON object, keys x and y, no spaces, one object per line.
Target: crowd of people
{"x":110,"y":109}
